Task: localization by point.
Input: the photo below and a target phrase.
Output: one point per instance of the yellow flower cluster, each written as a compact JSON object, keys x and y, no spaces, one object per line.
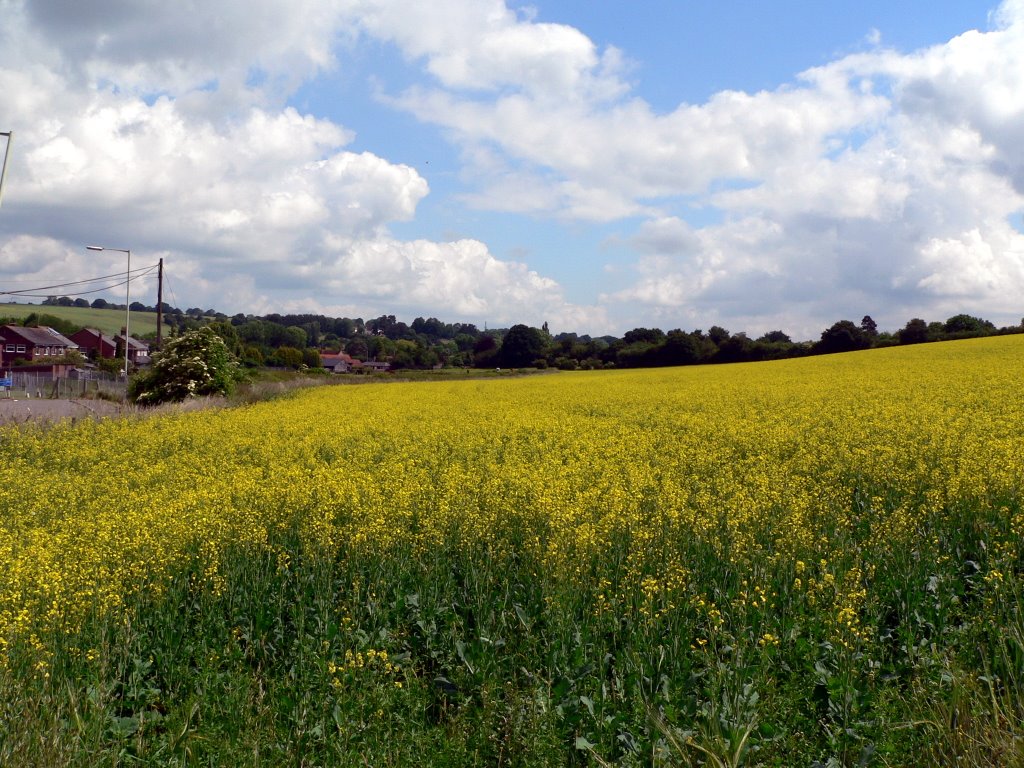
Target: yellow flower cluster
{"x":772,"y":462}
{"x":371,"y":660}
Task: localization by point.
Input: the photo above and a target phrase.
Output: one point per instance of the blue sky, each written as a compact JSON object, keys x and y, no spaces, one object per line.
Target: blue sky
{"x":599,"y":166}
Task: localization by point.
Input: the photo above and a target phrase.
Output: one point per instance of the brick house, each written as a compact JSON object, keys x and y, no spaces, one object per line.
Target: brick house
{"x":32,"y":345}
{"x":94,"y":344}
{"x":138,"y":351}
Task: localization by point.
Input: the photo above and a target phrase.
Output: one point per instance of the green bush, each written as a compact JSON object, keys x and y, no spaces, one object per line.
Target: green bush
{"x":191,"y":365}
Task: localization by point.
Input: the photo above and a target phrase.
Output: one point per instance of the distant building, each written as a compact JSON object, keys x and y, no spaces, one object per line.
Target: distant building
{"x":138,"y":351}
{"x":32,"y":345}
{"x":341,"y":362}
{"x":95,"y":344}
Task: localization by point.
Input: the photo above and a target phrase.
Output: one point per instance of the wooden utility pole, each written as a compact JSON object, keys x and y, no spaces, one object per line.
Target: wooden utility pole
{"x":3,"y":169}
{"x":160,"y":305}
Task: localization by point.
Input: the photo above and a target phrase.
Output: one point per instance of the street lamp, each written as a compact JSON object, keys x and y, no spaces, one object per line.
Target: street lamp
{"x":127,"y":296}
{"x":3,"y":169}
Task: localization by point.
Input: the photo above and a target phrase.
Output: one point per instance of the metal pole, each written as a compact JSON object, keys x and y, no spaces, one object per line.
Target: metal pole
{"x":160,"y":306}
{"x":127,"y":312}
{"x":3,"y":171}
{"x":127,"y":297}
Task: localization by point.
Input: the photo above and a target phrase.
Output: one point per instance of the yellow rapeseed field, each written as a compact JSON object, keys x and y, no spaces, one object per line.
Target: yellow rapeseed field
{"x":755,"y":464}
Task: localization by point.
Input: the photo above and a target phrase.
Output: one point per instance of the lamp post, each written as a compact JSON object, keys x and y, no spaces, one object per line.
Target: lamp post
{"x":3,"y":169}
{"x":127,"y":296}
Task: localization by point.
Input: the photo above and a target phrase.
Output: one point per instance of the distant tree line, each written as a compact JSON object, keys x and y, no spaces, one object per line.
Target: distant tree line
{"x":298,"y":340}
{"x":649,"y":347}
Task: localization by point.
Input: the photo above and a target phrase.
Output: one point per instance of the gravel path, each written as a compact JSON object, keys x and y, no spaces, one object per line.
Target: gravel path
{"x":20,"y":410}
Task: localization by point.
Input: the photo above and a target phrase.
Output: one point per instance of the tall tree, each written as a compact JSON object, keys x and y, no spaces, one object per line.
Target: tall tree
{"x":521,"y":346}
{"x":914,"y":332}
{"x":843,"y":336}
{"x":869,"y":327}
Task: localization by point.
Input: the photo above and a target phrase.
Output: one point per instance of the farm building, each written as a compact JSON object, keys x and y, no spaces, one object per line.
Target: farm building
{"x":339,"y":363}
{"x":343,"y":363}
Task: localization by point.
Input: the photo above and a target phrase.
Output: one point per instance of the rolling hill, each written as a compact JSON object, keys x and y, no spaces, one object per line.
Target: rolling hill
{"x":110,"y":321}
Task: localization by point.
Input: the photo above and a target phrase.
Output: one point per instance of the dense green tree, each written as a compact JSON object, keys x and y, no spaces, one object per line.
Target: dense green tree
{"x":680,"y":348}
{"x":432,"y":328}
{"x":252,"y":356}
{"x":345,"y":328}
{"x":718,"y":335}
{"x":312,"y":334}
{"x":358,"y":349}
{"x":387,"y":325}
{"x":311,"y":358}
{"x":411,"y":354}
{"x":286,"y":357}
{"x":485,"y":351}
{"x":229,"y":335}
{"x":735,"y":349}
{"x":254,"y":331}
{"x":380,"y":347}
{"x":914,"y":332}
{"x":330,"y":343}
{"x":112,"y":365}
{"x":638,"y":354}
{"x":775,"y":337}
{"x":869,"y":328}
{"x":465,"y":342}
{"x":649,"y":335}
{"x":966,"y":325}
{"x":843,"y":336}
{"x":521,"y":346}
{"x":292,"y":336}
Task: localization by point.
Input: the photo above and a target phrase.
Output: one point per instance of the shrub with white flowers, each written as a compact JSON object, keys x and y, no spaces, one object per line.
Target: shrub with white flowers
{"x":191,"y":365}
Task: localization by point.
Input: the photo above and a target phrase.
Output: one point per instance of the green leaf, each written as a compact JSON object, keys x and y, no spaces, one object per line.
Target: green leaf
{"x":583,"y":744}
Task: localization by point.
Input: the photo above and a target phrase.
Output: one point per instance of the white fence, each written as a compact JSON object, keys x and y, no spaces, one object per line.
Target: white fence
{"x":85,"y":384}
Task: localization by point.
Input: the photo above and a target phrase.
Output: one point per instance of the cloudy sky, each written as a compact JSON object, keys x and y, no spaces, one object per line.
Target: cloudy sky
{"x":596,"y":165}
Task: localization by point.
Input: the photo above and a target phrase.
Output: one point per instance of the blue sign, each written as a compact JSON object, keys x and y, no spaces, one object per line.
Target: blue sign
{"x":6,"y":382}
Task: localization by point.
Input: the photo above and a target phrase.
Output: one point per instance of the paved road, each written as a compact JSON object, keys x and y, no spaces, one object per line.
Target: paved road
{"x":18,"y":410}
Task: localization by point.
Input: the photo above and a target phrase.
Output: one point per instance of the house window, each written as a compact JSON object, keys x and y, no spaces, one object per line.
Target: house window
{"x":9,"y":348}
{"x":21,"y":347}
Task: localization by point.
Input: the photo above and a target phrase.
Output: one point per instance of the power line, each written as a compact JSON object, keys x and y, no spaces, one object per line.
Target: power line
{"x":174,"y":299}
{"x":88,"y":280}
{"x":133,"y":275}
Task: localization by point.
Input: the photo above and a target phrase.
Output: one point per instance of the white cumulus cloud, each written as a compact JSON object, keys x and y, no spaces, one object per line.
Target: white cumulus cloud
{"x":167,"y":130}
